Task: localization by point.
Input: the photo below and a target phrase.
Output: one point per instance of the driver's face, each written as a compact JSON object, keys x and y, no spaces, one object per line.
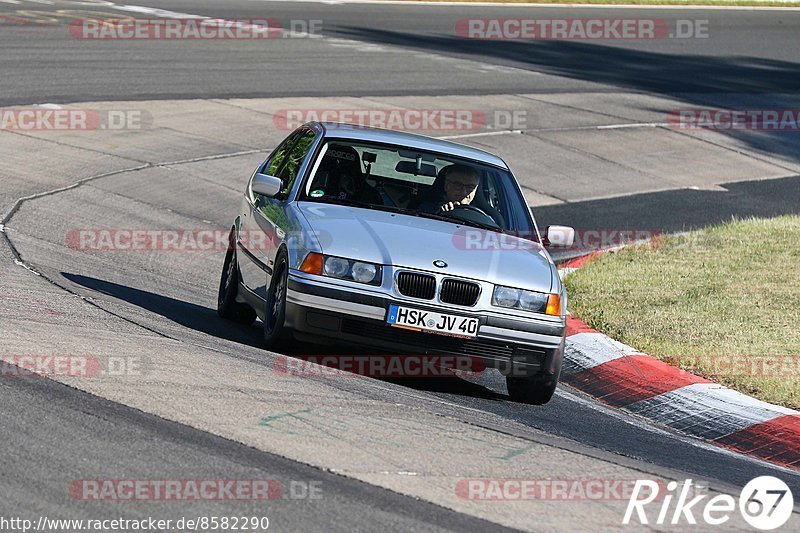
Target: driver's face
{"x":461,"y":187}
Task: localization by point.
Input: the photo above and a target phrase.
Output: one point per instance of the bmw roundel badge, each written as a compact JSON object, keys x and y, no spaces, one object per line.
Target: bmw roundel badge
{"x":439,"y":263}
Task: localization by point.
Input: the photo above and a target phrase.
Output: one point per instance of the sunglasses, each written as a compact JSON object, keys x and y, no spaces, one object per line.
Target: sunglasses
{"x":468,"y":186}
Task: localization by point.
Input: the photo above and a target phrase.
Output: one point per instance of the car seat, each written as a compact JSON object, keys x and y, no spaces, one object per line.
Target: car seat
{"x":340,"y":168}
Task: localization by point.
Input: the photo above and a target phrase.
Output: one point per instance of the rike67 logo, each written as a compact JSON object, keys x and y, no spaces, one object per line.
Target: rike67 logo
{"x":765,"y":503}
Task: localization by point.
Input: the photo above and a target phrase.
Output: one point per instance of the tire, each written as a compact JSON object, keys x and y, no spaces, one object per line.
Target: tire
{"x":275,"y":313}
{"x":534,"y":390}
{"x":227,"y":306}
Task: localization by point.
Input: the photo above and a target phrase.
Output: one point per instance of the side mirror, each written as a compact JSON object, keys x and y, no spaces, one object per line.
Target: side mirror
{"x":267,"y":185}
{"x":562,"y":236}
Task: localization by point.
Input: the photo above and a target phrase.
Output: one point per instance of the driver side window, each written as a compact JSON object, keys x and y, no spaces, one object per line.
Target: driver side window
{"x":294,"y":160}
{"x":279,"y":156}
{"x":274,"y":163}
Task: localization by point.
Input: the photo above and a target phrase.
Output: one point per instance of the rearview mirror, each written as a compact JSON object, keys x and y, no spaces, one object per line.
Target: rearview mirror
{"x":267,"y":185}
{"x":410,"y":167}
{"x":562,"y":236}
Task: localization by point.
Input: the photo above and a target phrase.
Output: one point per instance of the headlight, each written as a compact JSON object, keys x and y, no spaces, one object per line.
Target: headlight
{"x":532,"y":301}
{"x":536,"y":302}
{"x":336,"y":267}
{"x":364,"y":272}
{"x":505,"y":297}
{"x":341,"y":268}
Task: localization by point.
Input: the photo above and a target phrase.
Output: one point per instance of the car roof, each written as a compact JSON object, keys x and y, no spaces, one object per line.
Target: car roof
{"x":336,"y":130}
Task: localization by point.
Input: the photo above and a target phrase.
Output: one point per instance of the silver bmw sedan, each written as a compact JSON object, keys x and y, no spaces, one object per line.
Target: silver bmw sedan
{"x":398,"y":242}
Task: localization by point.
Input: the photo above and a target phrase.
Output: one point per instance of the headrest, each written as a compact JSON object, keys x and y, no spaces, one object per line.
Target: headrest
{"x":341,"y":157}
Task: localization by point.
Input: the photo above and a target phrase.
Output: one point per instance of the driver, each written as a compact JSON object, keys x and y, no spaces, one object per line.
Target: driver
{"x":459,"y":188}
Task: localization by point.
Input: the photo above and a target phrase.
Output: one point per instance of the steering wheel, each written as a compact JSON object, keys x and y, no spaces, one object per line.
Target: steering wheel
{"x":473,"y":210}
{"x":468,"y":207}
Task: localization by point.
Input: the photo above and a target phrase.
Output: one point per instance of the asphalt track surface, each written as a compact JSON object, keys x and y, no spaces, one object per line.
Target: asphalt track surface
{"x":58,"y":425}
{"x":746,"y":54}
{"x":85,"y":429}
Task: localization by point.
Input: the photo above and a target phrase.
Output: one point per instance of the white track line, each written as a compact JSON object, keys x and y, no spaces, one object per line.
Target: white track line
{"x":634,"y":125}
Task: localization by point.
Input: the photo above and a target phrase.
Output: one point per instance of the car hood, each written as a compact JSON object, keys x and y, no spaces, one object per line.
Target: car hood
{"x":414,"y":242}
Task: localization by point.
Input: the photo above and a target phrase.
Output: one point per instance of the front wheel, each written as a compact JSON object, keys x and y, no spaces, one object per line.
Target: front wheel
{"x":227,"y":306}
{"x":534,"y":390}
{"x":275,"y":313}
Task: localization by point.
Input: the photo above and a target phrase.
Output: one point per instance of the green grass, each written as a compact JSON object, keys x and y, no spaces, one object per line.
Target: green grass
{"x":791,"y":3}
{"x":726,"y":295}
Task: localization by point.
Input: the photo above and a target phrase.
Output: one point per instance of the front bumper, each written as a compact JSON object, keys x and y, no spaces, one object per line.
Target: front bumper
{"x":322,"y":312}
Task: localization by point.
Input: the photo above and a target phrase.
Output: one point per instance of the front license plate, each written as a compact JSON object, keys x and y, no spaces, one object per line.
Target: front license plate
{"x":452,"y":325}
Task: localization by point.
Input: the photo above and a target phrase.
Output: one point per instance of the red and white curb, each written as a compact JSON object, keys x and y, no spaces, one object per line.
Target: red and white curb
{"x":625,"y":378}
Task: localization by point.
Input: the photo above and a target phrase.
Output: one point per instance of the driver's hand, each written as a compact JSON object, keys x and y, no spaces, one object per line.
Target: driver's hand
{"x":449,"y":206}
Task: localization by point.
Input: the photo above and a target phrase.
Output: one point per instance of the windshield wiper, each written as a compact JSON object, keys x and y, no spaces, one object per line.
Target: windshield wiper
{"x":340,"y":201}
{"x":456,"y":220}
{"x":490,"y":227}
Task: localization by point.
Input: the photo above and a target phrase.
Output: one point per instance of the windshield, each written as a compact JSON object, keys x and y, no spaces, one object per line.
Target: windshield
{"x":428,"y":185}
